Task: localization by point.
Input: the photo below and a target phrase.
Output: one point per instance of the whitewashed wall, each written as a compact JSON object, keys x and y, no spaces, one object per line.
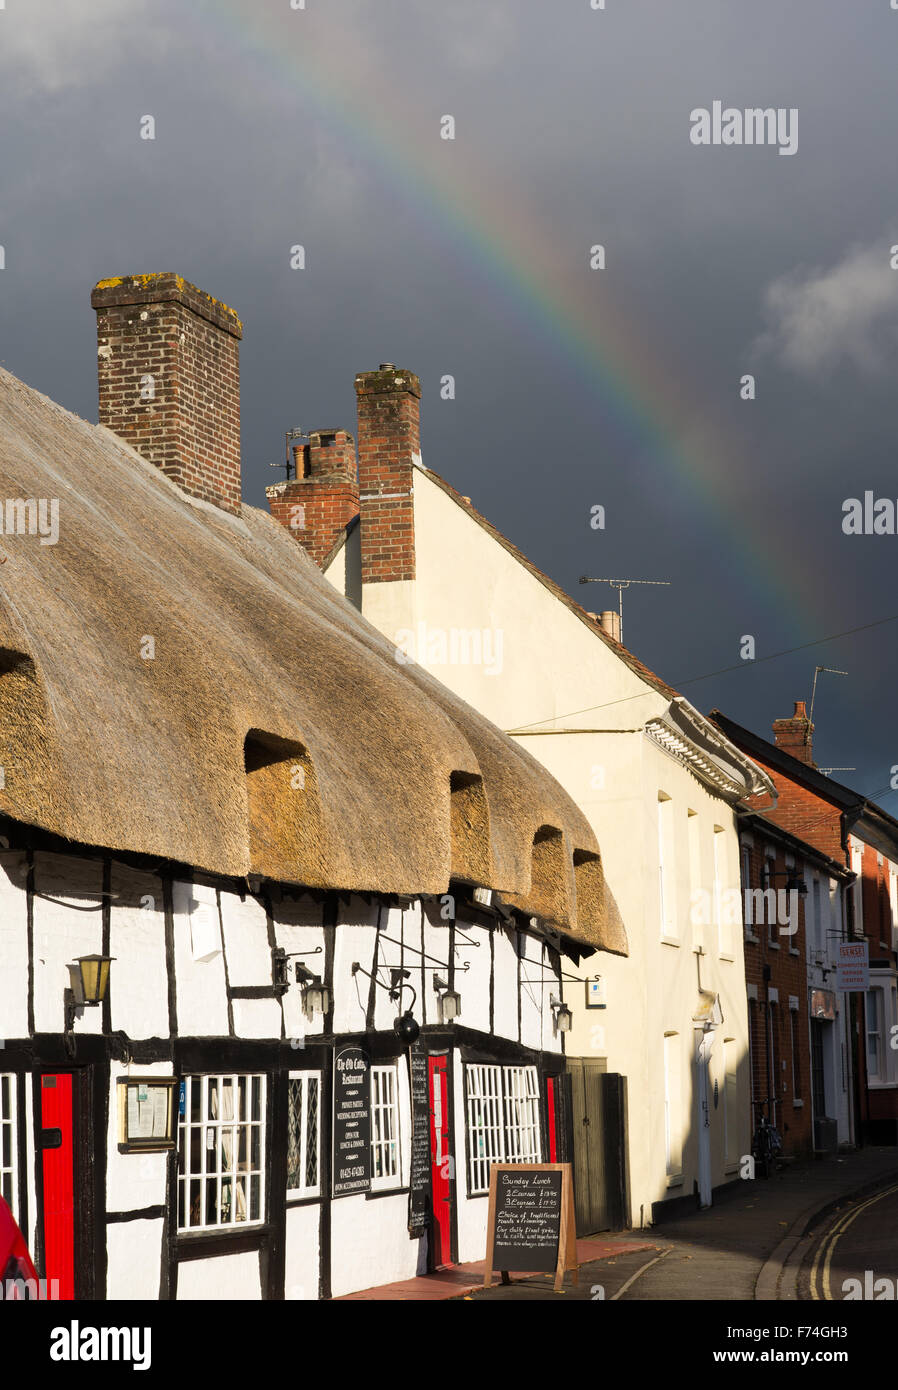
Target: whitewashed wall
{"x":222,"y":941}
{"x":13,"y":945}
{"x":301,"y":1265}
{"x":134,"y":1255}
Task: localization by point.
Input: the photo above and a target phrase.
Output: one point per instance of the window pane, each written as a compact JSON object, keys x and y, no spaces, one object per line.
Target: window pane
{"x":312,"y":1134}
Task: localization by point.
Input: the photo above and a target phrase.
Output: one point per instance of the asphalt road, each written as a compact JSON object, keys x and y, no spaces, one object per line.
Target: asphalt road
{"x":854,"y":1254}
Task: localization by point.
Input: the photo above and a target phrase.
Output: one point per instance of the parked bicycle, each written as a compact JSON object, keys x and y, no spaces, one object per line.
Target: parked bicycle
{"x":766,"y":1144}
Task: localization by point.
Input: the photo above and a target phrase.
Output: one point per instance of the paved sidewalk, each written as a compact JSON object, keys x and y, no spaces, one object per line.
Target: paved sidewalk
{"x":455,"y":1281}
{"x":736,"y":1250}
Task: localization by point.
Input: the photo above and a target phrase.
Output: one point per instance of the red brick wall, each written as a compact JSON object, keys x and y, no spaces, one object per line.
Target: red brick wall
{"x":803,"y":813}
{"x":788,"y":975}
{"x":322,"y":499}
{"x":389,"y":438}
{"x":160,"y":326}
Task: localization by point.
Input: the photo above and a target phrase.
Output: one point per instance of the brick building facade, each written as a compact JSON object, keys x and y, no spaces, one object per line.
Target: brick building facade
{"x":857,"y":834}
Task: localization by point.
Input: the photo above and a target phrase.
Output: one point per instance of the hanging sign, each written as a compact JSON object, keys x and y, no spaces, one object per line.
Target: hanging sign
{"x":352,"y":1121}
{"x":853,"y":966}
{"x":530,"y":1223}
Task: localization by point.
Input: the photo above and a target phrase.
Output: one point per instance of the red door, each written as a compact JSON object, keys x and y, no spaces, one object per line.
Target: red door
{"x":550,"y":1111}
{"x":440,"y":1161}
{"x":57,"y":1148}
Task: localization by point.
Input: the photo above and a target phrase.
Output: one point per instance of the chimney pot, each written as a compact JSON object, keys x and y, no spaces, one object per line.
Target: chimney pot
{"x":610,"y":623}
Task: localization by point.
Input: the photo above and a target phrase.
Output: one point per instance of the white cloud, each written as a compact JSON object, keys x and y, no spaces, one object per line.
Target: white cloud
{"x":819,"y":319}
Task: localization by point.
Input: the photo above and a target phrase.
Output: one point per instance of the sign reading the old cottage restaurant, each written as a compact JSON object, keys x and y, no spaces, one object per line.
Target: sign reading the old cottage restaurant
{"x":352,"y":1121}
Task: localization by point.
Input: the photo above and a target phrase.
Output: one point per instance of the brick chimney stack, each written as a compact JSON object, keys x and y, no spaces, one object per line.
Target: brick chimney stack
{"x":795,"y":735}
{"x":389,"y":445}
{"x":169,"y":380}
{"x":323,"y":497}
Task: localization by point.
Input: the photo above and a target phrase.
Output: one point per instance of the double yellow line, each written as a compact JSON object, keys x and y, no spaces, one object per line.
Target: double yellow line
{"x":828,"y":1244}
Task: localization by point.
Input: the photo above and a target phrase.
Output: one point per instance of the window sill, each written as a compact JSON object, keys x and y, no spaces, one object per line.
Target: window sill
{"x":774,"y":945}
{"x":731,"y":1168}
{"x":752,"y":940}
{"x":670,"y":941}
{"x":797,"y":1104}
{"x":373,"y":1193}
{"x":793,"y":952}
{"x":676,"y":1180}
{"x":296,"y":1199}
{"x":725,"y":955}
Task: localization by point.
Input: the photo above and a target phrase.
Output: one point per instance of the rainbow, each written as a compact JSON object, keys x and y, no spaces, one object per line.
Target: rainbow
{"x":503,"y":244}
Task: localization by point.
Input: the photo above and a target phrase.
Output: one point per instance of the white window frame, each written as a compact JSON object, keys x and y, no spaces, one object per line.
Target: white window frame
{"x":503,"y":1119}
{"x":698,"y":912}
{"x":884,"y":990}
{"x":667,"y":887}
{"x":9,"y":1173}
{"x":874,"y":1022}
{"x":816,"y":937}
{"x":673,"y":1139}
{"x":226,"y":1132}
{"x":770,"y":876}
{"x":305,"y":1079}
{"x":721,"y":910}
{"x":794,"y":1039}
{"x":386,"y":1149}
{"x":731,"y":1102}
{"x":856,"y":855}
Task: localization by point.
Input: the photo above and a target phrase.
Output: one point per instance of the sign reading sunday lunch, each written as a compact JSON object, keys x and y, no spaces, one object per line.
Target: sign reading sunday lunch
{"x":352,"y":1121}
{"x":530,"y":1224}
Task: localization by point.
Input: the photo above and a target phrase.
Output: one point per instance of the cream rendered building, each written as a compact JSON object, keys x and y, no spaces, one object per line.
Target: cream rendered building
{"x":658,"y":783}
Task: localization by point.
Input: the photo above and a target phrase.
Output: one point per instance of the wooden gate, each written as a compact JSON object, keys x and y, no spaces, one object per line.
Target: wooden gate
{"x":599,"y":1138}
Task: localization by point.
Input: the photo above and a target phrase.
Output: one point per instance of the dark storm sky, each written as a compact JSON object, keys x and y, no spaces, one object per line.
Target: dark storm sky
{"x":321,"y":127}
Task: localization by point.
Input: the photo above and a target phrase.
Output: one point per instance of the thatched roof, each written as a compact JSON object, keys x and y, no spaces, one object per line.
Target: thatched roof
{"x":273,"y":730}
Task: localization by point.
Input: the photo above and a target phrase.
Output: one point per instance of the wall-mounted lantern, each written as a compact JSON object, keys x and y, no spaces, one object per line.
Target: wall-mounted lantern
{"x":448,"y":1001}
{"x":314,"y":996}
{"x":89,"y":977}
{"x":561,"y":1014}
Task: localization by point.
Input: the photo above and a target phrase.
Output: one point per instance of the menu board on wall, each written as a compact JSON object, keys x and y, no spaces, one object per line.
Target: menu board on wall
{"x":419,"y":1195}
{"x":352,"y":1121}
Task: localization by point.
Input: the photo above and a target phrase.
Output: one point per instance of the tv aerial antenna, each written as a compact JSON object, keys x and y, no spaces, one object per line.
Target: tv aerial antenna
{"x":831,"y":671}
{"x":288,"y":465}
{"x":620,"y":585}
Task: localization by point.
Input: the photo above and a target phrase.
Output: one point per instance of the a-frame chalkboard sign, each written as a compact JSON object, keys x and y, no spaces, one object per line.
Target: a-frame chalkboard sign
{"x":530,"y":1222}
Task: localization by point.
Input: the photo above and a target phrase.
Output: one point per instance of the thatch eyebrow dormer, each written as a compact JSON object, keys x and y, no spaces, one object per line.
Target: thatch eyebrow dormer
{"x":185,"y":746}
{"x":284,"y":810}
